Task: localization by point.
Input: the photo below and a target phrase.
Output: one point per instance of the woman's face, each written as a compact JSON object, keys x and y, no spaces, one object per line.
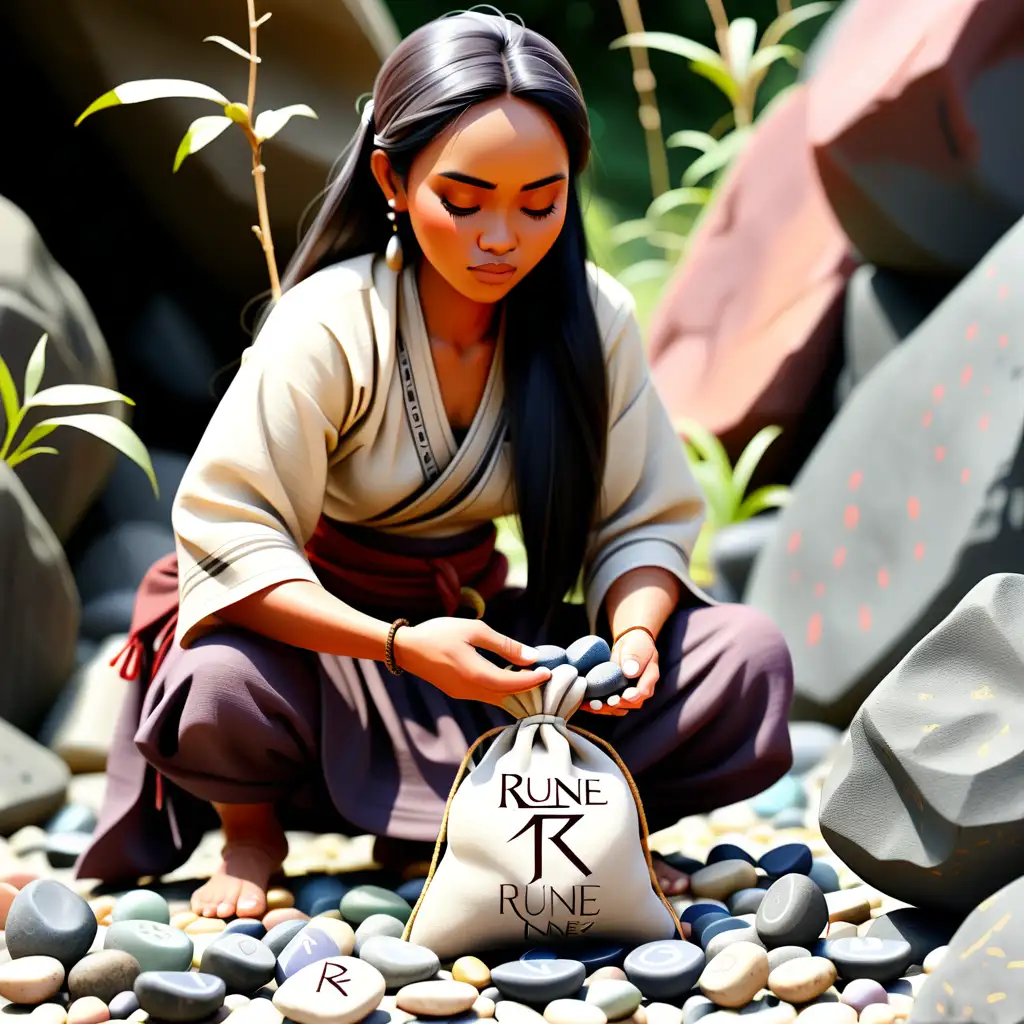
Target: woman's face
{"x":489,"y":192}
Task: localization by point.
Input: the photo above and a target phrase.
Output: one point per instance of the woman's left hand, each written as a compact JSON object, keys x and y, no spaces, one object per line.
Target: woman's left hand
{"x":637,"y":656}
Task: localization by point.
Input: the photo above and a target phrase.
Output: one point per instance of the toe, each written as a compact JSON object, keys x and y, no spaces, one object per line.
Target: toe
{"x":252,"y":901}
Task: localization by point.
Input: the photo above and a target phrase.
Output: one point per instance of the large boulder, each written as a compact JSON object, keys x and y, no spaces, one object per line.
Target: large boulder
{"x":980,"y":979}
{"x":34,"y":780}
{"x":914,"y":121}
{"x":37,"y":297}
{"x":925,"y":800}
{"x":38,"y":609}
{"x":750,"y":323}
{"x":910,"y":499}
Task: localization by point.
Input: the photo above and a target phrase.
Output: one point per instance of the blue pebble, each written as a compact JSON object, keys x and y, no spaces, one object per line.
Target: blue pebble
{"x":123,"y":1005}
{"x":586,"y":653}
{"x":746,"y":901}
{"x":783,"y":795}
{"x":699,"y":926}
{"x":322,"y":906}
{"x":729,"y":851}
{"x":791,"y":859}
{"x":603,"y":680}
{"x":795,"y":817}
{"x":307,"y":947}
{"x":247,"y":926}
{"x":698,"y":910}
{"x":72,"y":818}
{"x":540,"y":953}
{"x":550,"y":656}
{"x":679,"y":861}
{"x":318,"y":889}
{"x":410,"y":891}
{"x":824,"y":876}
{"x":591,"y":954}
{"x":719,"y":925}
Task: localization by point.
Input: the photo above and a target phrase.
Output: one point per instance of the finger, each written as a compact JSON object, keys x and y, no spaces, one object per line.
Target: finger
{"x":505,"y":680}
{"x":511,"y":650}
{"x":649,"y":679}
{"x":634,"y":654}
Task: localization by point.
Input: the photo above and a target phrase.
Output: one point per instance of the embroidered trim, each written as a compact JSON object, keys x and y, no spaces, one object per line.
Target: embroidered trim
{"x":414,"y":414}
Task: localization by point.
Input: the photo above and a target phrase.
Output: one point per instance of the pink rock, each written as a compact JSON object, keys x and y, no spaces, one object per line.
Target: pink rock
{"x":275,"y":917}
{"x":7,"y":894}
{"x":19,"y":879}
{"x":88,"y":1010}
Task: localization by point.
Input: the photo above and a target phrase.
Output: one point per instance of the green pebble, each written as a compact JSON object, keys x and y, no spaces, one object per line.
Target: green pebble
{"x":362,"y":901}
{"x":618,"y":999}
{"x":157,"y":947}
{"x":141,"y":905}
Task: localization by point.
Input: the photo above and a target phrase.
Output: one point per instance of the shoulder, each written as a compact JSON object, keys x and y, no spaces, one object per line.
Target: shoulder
{"x":334,"y":290}
{"x":612,"y":301}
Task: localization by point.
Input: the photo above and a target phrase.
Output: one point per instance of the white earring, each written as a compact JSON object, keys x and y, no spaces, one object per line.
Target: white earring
{"x":393,"y":253}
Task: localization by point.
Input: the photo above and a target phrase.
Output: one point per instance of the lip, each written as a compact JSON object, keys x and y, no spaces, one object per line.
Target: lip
{"x":494,"y":271}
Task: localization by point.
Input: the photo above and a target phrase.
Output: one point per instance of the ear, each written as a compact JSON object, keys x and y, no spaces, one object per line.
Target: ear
{"x":389,"y":181}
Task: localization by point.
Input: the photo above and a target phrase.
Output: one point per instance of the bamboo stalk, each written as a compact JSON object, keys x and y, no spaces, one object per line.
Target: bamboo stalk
{"x":721,"y":20}
{"x":648,"y":113}
{"x":785,"y":6}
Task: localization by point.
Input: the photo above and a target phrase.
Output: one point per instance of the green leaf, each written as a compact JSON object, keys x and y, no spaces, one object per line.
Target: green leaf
{"x":630,"y":231}
{"x":717,"y":489}
{"x":789,"y":20}
{"x":727,"y":149}
{"x":742,"y":40}
{"x":677,"y":197}
{"x":720,"y":77}
{"x":35,"y":368}
{"x":77,"y":394}
{"x":152,"y":89}
{"x":36,"y":433}
{"x":201,"y":132}
{"x":117,"y":434}
{"x":691,"y":140}
{"x":11,"y":406}
{"x":667,"y":42}
{"x":713,"y":453}
{"x":645,"y":270}
{"x":773,"y":496}
{"x":700,"y":558}
{"x":270,"y":122}
{"x":233,"y":47}
{"x":15,"y":459}
{"x":768,"y":55}
{"x":722,"y":125}
{"x":751,"y":456}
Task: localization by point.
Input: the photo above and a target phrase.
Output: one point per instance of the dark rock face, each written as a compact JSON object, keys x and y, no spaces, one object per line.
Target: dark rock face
{"x":39,"y":609}
{"x":924,"y":801}
{"x":979,"y":977}
{"x":910,"y":498}
{"x":914,"y":149}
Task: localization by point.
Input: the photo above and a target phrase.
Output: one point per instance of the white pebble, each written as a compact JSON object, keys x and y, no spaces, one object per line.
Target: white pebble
{"x":934,"y":958}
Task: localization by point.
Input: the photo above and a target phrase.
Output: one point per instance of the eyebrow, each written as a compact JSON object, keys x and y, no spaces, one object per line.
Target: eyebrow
{"x":468,"y":179}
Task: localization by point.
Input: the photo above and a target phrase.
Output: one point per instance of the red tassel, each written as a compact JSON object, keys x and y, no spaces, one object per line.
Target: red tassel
{"x":159,"y":791}
{"x":132,"y":653}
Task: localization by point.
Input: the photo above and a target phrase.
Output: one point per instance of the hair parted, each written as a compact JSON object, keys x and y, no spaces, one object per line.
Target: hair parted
{"x":555,"y":378}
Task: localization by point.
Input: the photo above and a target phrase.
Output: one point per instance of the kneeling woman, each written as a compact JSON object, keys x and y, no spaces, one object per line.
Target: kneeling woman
{"x":391,"y":407}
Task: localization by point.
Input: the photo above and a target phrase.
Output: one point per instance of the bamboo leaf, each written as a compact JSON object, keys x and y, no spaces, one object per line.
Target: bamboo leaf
{"x":768,"y":55}
{"x":789,"y":20}
{"x":751,"y":456}
{"x":34,"y":369}
{"x":720,"y":157}
{"x":233,"y":47}
{"x":152,"y":89}
{"x":270,"y":122}
{"x":677,"y":197}
{"x":36,"y":433}
{"x":720,"y":77}
{"x":717,"y":492}
{"x":723,"y":125}
{"x":261,"y":20}
{"x":201,"y":132}
{"x":667,"y":42}
{"x":691,"y":140}
{"x":713,"y":453}
{"x":645,"y":270}
{"x":742,"y":40}
{"x":764,"y":498}
{"x":117,"y":434}
{"x":630,"y":231}
{"x":11,"y":406}
{"x":77,"y":394}
{"x":14,"y":460}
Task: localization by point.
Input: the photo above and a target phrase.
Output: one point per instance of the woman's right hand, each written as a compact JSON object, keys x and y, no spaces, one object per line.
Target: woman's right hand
{"x":443,"y":652}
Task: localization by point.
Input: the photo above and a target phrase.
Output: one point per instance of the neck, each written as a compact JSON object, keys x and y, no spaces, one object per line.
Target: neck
{"x":448,"y":314}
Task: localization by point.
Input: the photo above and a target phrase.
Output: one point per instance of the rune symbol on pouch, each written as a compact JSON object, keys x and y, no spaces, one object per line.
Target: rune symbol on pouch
{"x":537,"y":824}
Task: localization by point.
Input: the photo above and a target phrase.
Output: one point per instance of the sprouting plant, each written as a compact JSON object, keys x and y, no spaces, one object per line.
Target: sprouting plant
{"x":257,"y":128}
{"x":725,"y":486}
{"x":102,"y":425}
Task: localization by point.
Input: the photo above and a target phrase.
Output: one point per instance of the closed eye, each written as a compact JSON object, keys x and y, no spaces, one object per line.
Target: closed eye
{"x":466,"y":211}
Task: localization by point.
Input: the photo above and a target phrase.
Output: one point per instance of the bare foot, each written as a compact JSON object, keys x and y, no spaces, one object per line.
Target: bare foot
{"x":254,"y":850}
{"x":672,"y":881}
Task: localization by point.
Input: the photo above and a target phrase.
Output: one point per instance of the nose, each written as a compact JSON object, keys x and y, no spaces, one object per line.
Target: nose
{"x":497,"y":237}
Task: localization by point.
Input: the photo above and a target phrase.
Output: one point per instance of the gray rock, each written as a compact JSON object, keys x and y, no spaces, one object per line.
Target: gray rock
{"x":824,"y":876}
{"x":795,"y":817}
{"x":180,"y":996}
{"x":783,"y":954}
{"x":550,"y":656}
{"x":746,"y":901}
{"x":881,"y":960}
{"x":242,"y":962}
{"x":617,"y":999}
{"x":363,"y":900}
{"x":123,"y":1005}
{"x":493,"y":993}
{"x":401,"y":963}
{"x":745,"y":933}
{"x":281,"y":934}
{"x":924,"y":930}
{"x":157,"y":947}
{"x":716,"y":926}
{"x":108,"y":614}
{"x":940,"y":771}
{"x":48,"y":919}
{"x":586,"y":653}
{"x":128,"y":496}
{"x":141,"y":905}
{"x":378,"y":924}
{"x":792,"y":913}
{"x":307,"y":947}
{"x":72,"y":818}
{"x":35,"y":780}
{"x":538,"y":982}
{"x":117,"y":560}
{"x":63,"y":850}
{"x":603,"y":680}
{"x":697,"y":1007}
{"x":103,"y":974}
{"x":664,"y":969}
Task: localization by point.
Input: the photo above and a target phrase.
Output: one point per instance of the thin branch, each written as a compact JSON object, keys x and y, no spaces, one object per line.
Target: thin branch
{"x":649,"y":115}
{"x":785,"y":6}
{"x":721,"y":20}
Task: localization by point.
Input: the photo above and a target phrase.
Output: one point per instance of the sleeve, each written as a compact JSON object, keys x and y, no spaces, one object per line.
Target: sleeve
{"x":253,"y":491}
{"x":651,"y":507}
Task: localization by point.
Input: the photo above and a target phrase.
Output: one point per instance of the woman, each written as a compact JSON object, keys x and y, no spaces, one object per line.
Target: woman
{"x":388,"y":412}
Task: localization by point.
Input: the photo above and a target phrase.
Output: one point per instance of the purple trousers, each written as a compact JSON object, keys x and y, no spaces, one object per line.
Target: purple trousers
{"x":238,"y":718}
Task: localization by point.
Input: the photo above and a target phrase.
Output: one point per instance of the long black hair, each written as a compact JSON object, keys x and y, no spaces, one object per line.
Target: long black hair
{"x":555,"y":381}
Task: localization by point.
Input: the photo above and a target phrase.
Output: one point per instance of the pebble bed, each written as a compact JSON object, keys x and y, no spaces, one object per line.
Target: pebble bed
{"x":779,"y":930}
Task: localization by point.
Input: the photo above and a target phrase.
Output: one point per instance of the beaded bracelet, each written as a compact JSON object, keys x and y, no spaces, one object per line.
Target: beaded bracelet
{"x":389,"y":646}
{"x":629,"y":629}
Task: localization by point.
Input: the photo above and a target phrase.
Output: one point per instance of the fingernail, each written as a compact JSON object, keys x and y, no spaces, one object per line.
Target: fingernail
{"x":247,"y":904}
{"x":630,"y":693}
{"x":529,"y":652}
{"x":631,"y":666}
{"x":613,"y":700}
{"x":596,"y":705}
